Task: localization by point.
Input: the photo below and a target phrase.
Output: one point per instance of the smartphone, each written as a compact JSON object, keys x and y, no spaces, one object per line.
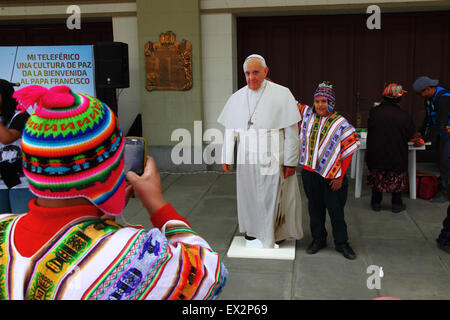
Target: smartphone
{"x":135,"y":154}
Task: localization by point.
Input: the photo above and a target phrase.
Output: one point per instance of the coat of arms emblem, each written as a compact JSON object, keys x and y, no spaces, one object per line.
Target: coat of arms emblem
{"x":168,"y":63}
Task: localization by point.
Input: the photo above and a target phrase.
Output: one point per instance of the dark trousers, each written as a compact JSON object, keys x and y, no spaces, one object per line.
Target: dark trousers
{"x":444,"y":236}
{"x":320,"y":199}
{"x":377,"y":197}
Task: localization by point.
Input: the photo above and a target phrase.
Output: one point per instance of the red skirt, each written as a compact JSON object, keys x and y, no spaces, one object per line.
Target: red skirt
{"x":386,"y":181}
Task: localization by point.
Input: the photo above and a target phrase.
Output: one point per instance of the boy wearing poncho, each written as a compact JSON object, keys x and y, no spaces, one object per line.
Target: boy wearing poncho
{"x":62,"y":248}
{"x":327,"y":142}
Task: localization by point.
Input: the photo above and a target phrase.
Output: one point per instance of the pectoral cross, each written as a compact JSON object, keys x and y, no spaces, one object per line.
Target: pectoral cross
{"x":250,"y":115}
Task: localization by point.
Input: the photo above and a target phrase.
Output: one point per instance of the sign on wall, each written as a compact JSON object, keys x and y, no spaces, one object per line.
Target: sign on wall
{"x":168,"y":63}
{"x":50,"y":66}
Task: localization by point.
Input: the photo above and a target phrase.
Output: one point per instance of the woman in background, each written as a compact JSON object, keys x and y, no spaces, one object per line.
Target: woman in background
{"x":389,"y":130}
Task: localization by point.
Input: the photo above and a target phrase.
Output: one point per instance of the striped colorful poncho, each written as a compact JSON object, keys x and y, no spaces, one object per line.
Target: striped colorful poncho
{"x":95,"y":259}
{"x":325,"y":142}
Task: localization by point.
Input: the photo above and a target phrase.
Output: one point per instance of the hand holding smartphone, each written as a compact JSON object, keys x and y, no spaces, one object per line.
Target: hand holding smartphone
{"x":135,"y":154}
{"x":144,"y":178}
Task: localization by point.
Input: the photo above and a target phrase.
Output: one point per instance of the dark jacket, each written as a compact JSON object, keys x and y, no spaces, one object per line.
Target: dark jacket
{"x":437,"y":115}
{"x":389,"y":130}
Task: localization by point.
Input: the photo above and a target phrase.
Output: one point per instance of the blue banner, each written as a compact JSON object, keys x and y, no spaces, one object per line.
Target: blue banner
{"x":50,"y":66}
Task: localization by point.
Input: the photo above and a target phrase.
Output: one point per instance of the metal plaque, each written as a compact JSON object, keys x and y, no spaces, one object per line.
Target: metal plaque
{"x":168,"y":63}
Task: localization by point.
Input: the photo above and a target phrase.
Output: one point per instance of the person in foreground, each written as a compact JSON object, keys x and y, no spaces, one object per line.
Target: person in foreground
{"x":327,"y":143}
{"x":64,"y":247}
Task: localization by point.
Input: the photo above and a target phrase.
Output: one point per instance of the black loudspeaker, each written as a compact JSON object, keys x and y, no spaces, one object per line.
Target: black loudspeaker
{"x":111,"y":65}
{"x":136,"y":128}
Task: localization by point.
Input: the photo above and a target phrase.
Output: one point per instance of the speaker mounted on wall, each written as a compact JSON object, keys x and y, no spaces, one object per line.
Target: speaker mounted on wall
{"x":111,"y":65}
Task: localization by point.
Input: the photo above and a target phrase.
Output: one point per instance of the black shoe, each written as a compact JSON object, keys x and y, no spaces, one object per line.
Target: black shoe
{"x":346,"y":251}
{"x":249,"y":238}
{"x":280,"y":241}
{"x":315,"y":246}
{"x":445,"y":247}
{"x":396,"y":208}
{"x":375,"y":206}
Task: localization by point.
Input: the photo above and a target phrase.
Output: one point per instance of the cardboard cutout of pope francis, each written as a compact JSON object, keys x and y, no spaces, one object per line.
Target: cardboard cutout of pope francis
{"x":262,"y":119}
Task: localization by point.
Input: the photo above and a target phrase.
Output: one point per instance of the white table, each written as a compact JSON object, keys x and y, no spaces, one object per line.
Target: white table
{"x":357,"y":167}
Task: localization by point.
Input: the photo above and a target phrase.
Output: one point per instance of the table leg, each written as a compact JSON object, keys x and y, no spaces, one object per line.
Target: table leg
{"x":412,"y":173}
{"x":353,"y":167}
{"x":359,"y":172}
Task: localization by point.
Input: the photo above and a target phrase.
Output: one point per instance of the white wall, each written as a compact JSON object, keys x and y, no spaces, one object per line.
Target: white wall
{"x":48,"y":10}
{"x":129,"y":101}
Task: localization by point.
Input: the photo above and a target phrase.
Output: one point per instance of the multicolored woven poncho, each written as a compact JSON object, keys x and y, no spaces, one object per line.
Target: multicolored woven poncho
{"x":325,"y":142}
{"x":95,"y":259}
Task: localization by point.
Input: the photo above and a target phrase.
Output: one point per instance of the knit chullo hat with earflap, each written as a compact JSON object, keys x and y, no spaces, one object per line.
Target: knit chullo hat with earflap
{"x":72,"y":146}
{"x":325,"y":89}
{"x":393,"y":91}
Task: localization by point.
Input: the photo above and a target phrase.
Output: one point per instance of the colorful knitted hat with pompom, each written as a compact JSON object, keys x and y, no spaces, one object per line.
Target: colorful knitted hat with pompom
{"x":72,"y":146}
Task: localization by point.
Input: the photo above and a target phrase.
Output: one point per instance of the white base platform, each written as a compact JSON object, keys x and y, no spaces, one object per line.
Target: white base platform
{"x":241,"y":248}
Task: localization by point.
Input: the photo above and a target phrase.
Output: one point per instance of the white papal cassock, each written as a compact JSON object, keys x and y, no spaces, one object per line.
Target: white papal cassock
{"x":264,"y":123}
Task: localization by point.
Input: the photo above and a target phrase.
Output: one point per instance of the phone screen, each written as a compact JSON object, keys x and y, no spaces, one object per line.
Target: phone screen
{"x":135,"y":154}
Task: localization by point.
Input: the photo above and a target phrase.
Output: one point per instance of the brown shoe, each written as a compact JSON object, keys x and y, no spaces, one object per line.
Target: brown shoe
{"x":396,"y":208}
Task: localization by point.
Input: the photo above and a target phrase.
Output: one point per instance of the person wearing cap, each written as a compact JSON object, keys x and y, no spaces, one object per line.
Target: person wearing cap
{"x":327,"y":143}
{"x":14,"y":191}
{"x":262,"y":119}
{"x":389,"y":130}
{"x":437,"y":121}
{"x":436,"y":126}
{"x":63,"y":247}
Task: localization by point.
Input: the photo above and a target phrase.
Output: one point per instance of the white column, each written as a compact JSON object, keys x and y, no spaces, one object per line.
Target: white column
{"x":412,"y":173}
{"x":359,"y":172}
{"x":129,"y":101}
{"x":218,"y":66}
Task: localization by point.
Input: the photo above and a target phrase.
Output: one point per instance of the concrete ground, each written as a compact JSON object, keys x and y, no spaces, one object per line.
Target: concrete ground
{"x":402,"y":244}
